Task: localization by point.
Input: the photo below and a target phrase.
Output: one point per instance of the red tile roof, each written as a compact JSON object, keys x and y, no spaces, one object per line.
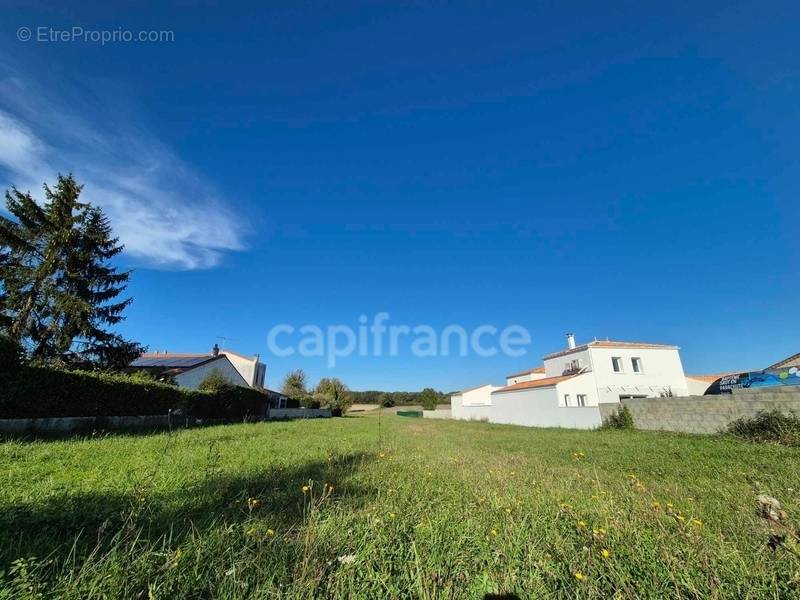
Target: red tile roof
{"x":536,"y":383}
{"x":528,"y":372}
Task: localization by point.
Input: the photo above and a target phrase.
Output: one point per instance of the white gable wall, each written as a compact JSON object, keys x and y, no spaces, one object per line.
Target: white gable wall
{"x":662,"y":371}
{"x":193,"y":377}
{"x":247,"y":368}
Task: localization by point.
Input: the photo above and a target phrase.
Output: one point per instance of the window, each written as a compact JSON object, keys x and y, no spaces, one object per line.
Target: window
{"x":616,"y":364}
{"x":566,"y":399}
{"x":581,"y":399}
{"x":636,"y":363}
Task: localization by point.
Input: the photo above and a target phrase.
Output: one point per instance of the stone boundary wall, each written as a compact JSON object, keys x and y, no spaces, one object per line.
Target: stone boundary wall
{"x":705,"y":414}
{"x":89,"y":424}
{"x":60,"y":425}
{"x":299,"y":413}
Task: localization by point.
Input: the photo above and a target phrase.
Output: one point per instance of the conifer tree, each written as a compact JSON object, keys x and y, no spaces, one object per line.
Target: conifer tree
{"x":59,"y":293}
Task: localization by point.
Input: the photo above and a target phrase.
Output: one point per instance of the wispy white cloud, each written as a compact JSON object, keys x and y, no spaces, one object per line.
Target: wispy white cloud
{"x":166,"y":215}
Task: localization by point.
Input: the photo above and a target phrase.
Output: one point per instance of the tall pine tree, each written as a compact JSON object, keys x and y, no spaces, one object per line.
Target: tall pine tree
{"x":59,"y":291}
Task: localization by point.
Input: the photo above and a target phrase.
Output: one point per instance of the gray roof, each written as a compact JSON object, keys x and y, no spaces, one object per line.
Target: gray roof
{"x":168,"y":361}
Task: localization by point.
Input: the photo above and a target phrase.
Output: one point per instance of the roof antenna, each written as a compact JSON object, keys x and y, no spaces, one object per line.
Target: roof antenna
{"x":224,"y":340}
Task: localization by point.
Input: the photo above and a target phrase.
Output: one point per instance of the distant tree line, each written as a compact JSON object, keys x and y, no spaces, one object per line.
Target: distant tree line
{"x":389,"y":399}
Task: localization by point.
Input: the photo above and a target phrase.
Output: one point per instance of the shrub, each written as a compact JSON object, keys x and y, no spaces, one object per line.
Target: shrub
{"x":429,"y":399}
{"x":621,"y":419}
{"x":313,"y":401}
{"x":768,"y":426}
{"x":214,"y":382}
{"x":333,"y":394}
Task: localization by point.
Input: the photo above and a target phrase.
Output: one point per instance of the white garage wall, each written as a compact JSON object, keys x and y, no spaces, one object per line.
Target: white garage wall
{"x":473,"y":404}
{"x":538,"y":407}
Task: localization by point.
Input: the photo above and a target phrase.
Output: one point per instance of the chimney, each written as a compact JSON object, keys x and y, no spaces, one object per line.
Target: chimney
{"x":215,"y":350}
{"x":571,"y":341}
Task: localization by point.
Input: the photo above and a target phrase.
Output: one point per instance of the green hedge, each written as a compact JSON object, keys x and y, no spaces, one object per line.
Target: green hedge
{"x":10,"y":354}
{"x":38,"y":392}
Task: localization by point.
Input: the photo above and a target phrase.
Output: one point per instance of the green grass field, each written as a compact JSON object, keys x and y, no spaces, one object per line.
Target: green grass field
{"x":395,"y":508}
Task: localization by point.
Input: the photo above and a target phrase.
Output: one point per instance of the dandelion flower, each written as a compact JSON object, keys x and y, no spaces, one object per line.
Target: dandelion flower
{"x":605,"y":553}
{"x":270,"y":532}
{"x":305,"y":489}
{"x":579,"y":576}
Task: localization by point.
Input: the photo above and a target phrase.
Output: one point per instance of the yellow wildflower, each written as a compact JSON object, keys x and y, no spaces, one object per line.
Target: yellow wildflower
{"x":305,"y":489}
{"x":605,"y":553}
{"x":270,"y":532}
{"x":493,"y":532}
{"x":579,"y":576}
{"x":581,"y":524}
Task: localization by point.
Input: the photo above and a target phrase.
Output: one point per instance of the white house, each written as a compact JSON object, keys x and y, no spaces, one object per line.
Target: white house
{"x":567,"y":389}
{"x":473,"y":404}
{"x":189,"y":370}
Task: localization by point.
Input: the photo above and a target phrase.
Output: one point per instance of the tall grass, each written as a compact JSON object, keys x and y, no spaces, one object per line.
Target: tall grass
{"x":432,"y":509}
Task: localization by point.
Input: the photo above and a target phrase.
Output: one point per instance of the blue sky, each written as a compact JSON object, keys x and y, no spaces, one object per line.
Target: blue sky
{"x":626,"y":172}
